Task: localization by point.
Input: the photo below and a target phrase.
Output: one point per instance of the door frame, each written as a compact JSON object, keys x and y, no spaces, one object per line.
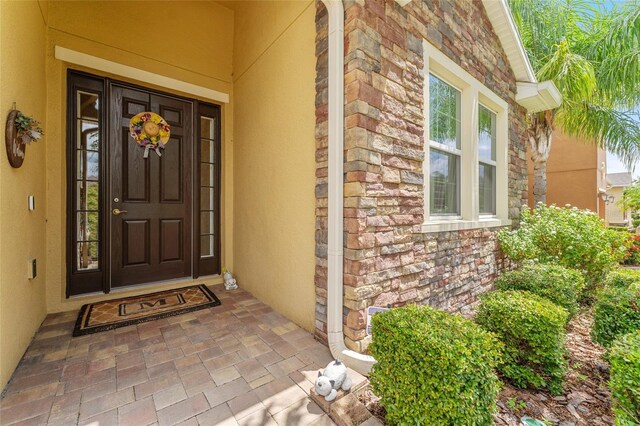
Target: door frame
{"x":100,"y":280}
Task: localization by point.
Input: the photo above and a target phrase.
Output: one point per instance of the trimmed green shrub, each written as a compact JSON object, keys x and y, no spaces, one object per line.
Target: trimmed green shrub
{"x":560,"y":285}
{"x":616,"y":312}
{"x":625,"y":379}
{"x":532,"y":331}
{"x":568,"y":237}
{"x":622,"y":278}
{"x":619,"y":228}
{"x":433,"y":368}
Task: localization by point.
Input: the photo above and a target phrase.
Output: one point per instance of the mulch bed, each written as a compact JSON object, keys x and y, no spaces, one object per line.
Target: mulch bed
{"x":586,"y":399}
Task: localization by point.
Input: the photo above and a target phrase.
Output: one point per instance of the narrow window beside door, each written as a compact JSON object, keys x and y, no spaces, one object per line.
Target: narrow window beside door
{"x":208,"y":242}
{"x":85,"y":127}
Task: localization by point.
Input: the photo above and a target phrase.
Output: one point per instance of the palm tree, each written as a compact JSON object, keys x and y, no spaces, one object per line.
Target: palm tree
{"x":591,"y":51}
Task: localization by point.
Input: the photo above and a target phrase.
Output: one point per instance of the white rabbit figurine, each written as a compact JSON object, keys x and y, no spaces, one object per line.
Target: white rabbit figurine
{"x":333,"y":377}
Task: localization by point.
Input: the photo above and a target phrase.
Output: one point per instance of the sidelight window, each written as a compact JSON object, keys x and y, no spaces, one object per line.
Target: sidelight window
{"x":207,"y":186}
{"x":87,"y":180}
{"x":209,"y":191}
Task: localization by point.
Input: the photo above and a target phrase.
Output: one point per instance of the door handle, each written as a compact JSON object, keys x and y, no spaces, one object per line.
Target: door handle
{"x":118,"y":212}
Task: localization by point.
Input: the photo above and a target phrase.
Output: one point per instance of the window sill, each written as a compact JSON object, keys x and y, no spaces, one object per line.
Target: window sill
{"x":457,"y":225}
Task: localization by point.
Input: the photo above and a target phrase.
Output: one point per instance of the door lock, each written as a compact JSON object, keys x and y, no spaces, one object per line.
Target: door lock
{"x":118,"y":212}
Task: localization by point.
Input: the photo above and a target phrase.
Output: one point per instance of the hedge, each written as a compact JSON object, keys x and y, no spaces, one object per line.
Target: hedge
{"x":616,"y":312}
{"x":532,"y":331}
{"x":433,"y":367}
{"x":622,"y":278}
{"x":560,"y":285}
{"x":624,"y":383}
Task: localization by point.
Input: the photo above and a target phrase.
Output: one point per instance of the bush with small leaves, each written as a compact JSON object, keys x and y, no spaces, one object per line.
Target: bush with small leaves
{"x":622,"y":278}
{"x":624,"y":383}
{"x":433,"y":368}
{"x":532,"y":330}
{"x":568,"y":237}
{"x":560,"y":285}
{"x":616,"y":312}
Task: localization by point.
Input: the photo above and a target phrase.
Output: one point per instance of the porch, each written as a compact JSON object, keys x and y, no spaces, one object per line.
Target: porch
{"x":240,"y":363}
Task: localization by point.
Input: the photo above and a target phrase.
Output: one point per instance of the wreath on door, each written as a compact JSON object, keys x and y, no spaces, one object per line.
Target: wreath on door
{"x":150,"y":131}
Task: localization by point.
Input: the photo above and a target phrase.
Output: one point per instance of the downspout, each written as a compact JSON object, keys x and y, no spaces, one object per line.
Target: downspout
{"x":357,"y":361}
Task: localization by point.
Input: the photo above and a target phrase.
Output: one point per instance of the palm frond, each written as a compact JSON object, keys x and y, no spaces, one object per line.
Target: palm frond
{"x":616,"y":131}
{"x":572,"y":73}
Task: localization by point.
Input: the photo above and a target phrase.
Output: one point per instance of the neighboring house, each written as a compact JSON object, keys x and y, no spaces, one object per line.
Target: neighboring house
{"x":616,"y":184}
{"x":575,"y":174}
{"x":429,"y":99}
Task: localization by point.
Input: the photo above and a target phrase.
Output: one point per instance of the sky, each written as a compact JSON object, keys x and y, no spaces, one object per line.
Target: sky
{"x":614,"y":165}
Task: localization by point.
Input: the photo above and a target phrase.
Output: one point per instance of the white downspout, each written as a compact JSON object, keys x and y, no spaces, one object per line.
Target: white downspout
{"x":359,"y":362}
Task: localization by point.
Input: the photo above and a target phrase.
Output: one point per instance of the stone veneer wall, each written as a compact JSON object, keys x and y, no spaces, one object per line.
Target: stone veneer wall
{"x":388,"y":260}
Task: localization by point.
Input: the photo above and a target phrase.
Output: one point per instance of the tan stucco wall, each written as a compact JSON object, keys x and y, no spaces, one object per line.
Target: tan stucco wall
{"x":197,"y":54}
{"x":615,"y":215}
{"x":22,"y":233}
{"x":274,"y":152}
{"x":573,"y":174}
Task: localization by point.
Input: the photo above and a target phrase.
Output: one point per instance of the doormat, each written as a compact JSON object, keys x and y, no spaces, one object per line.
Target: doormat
{"x":116,"y":313}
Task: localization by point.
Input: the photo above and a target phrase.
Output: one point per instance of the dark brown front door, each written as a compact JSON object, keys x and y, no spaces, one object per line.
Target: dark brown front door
{"x":150,"y":205}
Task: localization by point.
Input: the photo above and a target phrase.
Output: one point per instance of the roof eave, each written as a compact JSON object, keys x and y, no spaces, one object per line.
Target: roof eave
{"x":536,"y":97}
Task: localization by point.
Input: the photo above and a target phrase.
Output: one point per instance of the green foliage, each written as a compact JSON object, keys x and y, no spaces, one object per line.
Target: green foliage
{"x":624,"y":359}
{"x":532,"y":331}
{"x":619,"y":229}
{"x":622,"y":278}
{"x":591,"y":54}
{"x":560,"y":285}
{"x":569,"y":237}
{"x":616,"y":312}
{"x":433,"y":368}
{"x":631,"y":199}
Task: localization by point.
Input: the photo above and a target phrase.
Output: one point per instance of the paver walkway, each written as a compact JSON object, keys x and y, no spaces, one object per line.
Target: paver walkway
{"x":238,"y":363}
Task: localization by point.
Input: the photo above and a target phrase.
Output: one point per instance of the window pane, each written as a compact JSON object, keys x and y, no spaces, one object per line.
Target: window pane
{"x":87,"y":226}
{"x":88,"y":105}
{"x":88,"y":136}
{"x":207,"y":152}
{"x":88,"y":167}
{"x":206,"y":127}
{"x":207,"y":245}
{"x":486,"y":134}
{"x":87,"y":255}
{"x":206,"y":222}
{"x":444,"y":113}
{"x":444,"y":189}
{"x":487,"y":186}
{"x":206,"y":198}
{"x":87,"y":195}
{"x":206,"y":174}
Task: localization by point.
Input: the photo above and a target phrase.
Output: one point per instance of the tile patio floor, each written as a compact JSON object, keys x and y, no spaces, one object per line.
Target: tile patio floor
{"x":240,"y":363}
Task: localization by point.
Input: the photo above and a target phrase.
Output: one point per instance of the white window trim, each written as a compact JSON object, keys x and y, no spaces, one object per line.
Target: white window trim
{"x":473,"y":93}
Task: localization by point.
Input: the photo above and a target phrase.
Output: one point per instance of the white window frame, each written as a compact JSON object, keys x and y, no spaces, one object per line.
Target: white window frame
{"x":473,"y":93}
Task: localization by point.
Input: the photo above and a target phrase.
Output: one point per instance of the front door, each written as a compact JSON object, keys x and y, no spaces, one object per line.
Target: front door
{"x":131,"y":219}
{"x":150,"y":197}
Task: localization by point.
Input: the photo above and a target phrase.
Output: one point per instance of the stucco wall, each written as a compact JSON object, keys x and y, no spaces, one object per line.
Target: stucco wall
{"x":614,"y":213}
{"x":22,"y":233}
{"x":191,"y":52}
{"x":274,"y":118}
{"x":573,"y":174}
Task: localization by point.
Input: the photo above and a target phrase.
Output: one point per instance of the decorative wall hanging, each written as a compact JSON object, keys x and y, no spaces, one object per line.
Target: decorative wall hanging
{"x":150,"y":131}
{"x":20,"y":131}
